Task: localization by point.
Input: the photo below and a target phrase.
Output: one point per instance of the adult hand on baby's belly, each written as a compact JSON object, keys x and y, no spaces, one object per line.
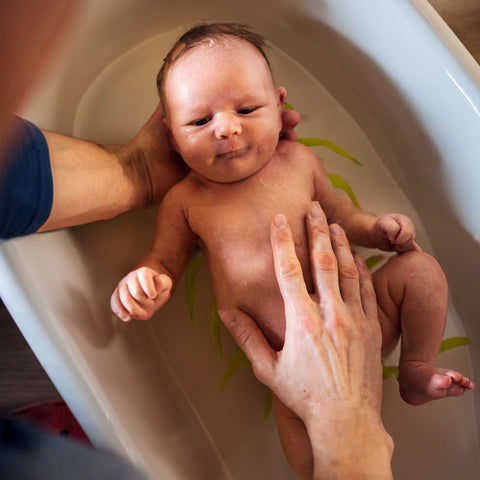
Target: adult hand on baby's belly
{"x":333,"y":337}
{"x":327,"y":379}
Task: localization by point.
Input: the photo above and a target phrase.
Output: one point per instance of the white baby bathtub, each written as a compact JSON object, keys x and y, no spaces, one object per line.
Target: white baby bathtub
{"x":385,"y":79}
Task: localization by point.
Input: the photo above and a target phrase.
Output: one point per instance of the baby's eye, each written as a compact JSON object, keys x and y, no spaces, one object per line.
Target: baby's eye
{"x":201,"y":121}
{"x":246,"y":111}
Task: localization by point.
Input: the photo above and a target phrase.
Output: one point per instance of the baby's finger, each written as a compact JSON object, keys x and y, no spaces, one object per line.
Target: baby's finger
{"x":117,"y":307}
{"x":348,"y":274}
{"x":416,"y":246}
{"x":147,"y":282}
{"x":405,"y":235}
{"x":130,"y":304}
{"x":287,"y":267}
{"x":390,"y":227}
{"x":135,"y":287}
{"x":163,"y":283}
{"x":163,"y":287}
{"x":407,"y":246}
{"x":322,"y":258}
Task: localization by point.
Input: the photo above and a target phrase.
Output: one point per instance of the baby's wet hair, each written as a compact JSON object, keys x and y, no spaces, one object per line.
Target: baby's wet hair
{"x":207,"y":32}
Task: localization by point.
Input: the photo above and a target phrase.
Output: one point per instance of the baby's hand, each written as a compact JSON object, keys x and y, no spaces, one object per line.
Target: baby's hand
{"x":140,"y":294}
{"x":394,"y":232}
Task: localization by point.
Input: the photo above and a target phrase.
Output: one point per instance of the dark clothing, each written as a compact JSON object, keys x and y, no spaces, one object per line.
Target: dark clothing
{"x":27,"y":453}
{"x":26,"y":185}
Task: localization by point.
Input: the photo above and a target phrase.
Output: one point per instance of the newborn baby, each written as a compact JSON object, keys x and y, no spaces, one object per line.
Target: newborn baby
{"x":223,"y":114}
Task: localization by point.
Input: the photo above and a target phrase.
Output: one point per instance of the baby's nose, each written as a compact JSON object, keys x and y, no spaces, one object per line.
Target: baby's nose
{"x":227,"y":124}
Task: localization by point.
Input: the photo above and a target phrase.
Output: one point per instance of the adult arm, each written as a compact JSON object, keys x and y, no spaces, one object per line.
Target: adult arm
{"x":90,"y":182}
{"x":93,"y":182}
{"x":329,"y":372}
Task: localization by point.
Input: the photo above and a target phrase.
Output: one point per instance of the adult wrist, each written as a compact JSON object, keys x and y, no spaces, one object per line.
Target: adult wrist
{"x":136,"y":174}
{"x":353,"y":445}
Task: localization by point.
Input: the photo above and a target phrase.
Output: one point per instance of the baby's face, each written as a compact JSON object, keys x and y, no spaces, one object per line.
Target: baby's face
{"x":224,"y":113}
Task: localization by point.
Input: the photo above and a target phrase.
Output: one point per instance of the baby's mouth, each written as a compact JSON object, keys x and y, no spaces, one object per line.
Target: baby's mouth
{"x":239,"y":152}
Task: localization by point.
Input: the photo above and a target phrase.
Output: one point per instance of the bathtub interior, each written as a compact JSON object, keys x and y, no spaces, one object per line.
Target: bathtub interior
{"x":150,"y":391}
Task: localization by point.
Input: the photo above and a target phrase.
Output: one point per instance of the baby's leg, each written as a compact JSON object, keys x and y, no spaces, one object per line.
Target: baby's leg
{"x":412,"y":300}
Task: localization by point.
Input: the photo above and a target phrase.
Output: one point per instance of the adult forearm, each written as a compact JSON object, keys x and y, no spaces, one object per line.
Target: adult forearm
{"x":360,"y":449}
{"x":89,"y":183}
{"x":93,"y":182}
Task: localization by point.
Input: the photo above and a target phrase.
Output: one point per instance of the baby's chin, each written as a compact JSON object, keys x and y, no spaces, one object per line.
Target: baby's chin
{"x":237,"y":166}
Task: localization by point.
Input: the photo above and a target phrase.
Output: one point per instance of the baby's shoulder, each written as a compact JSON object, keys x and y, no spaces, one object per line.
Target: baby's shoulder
{"x":179,"y":193}
{"x":296,"y":154}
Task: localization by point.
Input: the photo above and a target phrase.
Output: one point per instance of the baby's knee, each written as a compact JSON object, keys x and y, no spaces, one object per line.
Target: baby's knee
{"x":423,"y":277}
{"x":414,"y":272}
{"x":422,"y":265}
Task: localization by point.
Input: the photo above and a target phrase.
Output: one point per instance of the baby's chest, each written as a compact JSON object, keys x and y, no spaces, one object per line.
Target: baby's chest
{"x":233,"y":229}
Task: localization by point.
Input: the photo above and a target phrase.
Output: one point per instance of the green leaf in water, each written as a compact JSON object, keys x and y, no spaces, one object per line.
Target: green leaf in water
{"x":454,"y":342}
{"x":215,"y":324}
{"x":339,"y":182}
{"x":190,"y":277}
{"x":374,"y":260}
{"x":239,"y":359}
{"x":268,"y":405}
{"x":389,"y":372}
{"x":320,"y":142}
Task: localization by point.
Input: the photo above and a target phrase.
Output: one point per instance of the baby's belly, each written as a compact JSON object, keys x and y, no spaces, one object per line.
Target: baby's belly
{"x":249,"y":284}
{"x":264,"y":305}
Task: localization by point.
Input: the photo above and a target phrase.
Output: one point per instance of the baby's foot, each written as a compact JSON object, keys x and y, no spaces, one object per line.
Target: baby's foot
{"x":421,"y":383}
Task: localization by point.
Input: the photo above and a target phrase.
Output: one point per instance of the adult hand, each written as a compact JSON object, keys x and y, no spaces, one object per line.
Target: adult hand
{"x":329,"y":371}
{"x":290,"y":119}
{"x":94,"y":183}
{"x":150,"y":160}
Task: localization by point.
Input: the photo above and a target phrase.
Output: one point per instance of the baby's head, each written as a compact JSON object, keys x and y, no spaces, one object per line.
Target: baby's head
{"x":221,"y":106}
{"x":207,"y":33}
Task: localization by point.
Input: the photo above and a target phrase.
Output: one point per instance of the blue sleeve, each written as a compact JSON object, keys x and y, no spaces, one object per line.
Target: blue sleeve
{"x":26,"y":185}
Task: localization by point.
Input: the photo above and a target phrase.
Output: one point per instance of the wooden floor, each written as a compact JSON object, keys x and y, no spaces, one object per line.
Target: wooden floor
{"x":22,"y":379}
{"x":463,"y":17}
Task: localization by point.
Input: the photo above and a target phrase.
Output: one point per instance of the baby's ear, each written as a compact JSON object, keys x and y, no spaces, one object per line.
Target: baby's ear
{"x":281,"y":98}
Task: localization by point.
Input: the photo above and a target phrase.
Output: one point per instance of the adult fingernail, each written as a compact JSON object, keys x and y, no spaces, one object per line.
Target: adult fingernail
{"x":280,"y":221}
{"x":316,"y":211}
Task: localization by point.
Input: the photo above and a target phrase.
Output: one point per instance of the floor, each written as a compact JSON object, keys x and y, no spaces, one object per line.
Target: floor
{"x":22,"y":379}
{"x":463,"y":17}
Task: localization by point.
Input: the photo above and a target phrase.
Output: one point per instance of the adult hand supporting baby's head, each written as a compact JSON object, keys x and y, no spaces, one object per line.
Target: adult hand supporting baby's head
{"x":290,"y":119}
{"x":150,"y":158}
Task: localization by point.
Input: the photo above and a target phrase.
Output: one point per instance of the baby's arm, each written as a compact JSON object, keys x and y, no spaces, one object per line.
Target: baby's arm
{"x":387,"y":232}
{"x":145,"y":290}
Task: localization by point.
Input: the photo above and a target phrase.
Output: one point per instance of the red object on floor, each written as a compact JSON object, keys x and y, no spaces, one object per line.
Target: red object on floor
{"x":55,"y":417}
